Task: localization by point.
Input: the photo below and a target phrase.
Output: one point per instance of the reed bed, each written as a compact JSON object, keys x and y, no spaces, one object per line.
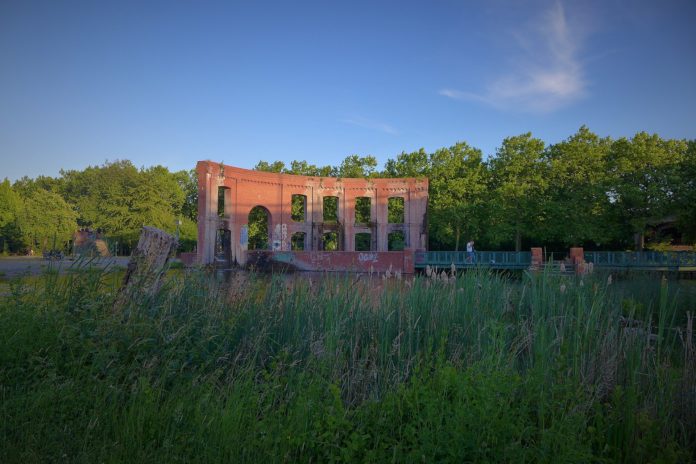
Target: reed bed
{"x":476,"y":367}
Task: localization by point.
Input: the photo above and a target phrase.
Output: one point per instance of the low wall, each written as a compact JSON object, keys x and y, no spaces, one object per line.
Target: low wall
{"x":333,"y":261}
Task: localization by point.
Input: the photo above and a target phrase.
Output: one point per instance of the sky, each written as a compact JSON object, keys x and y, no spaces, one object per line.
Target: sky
{"x":174,"y":82}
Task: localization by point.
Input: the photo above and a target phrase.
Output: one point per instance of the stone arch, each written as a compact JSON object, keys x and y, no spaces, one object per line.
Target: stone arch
{"x":260,"y":228}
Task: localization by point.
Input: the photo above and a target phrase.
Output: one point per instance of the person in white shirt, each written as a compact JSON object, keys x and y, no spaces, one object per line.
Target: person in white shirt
{"x":470,"y":252}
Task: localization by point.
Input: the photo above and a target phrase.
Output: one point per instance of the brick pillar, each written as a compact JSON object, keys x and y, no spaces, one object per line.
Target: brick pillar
{"x":349,"y":224}
{"x":537,"y":257}
{"x":381,"y":219}
{"x":207,"y":213}
{"x":577,"y":255}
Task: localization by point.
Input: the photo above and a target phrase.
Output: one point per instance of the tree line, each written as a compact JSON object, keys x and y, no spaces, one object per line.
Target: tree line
{"x":591,"y":191}
{"x":116,"y":198}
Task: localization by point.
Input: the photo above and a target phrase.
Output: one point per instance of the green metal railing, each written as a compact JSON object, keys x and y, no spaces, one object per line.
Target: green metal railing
{"x":491,"y":259}
{"x":646,"y":260}
{"x":641,"y":259}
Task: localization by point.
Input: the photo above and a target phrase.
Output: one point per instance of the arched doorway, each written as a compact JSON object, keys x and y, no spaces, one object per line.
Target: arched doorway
{"x":259,"y":227}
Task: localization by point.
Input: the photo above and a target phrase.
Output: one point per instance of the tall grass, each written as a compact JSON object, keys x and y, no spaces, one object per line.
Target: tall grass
{"x":479,"y":367}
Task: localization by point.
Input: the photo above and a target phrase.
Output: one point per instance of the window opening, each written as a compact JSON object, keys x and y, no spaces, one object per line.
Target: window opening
{"x":362,"y":210}
{"x":396,"y":241}
{"x":224,"y":201}
{"x":329,"y":241}
{"x":297,"y":241}
{"x":363,"y":241}
{"x":330,"y":209}
{"x":395,"y":210}
{"x":298,"y":207}
{"x":258,"y":228}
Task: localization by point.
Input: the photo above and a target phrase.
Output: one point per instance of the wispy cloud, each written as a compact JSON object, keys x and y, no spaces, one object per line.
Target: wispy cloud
{"x":370,"y":124}
{"x":546,"y":75}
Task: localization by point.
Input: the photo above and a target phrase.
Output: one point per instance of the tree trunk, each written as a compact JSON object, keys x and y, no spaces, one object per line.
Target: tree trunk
{"x":146,"y":266}
{"x":456,"y":243}
{"x":518,"y":239}
{"x":639,"y":240}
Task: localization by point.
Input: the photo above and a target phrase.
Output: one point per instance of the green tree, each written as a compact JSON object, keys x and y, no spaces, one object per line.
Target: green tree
{"x":358,"y":166}
{"x":415,"y":164}
{"x":644,"y":174}
{"x":119,"y":199}
{"x":11,"y":239}
{"x":276,"y":166}
{"x":457,"y":193}
{"x":46,"y":220}
{"x":188,"y":183}
{"x":302,"y":168}
{"x":518,"y":184}
{"x":686,"y":194}
{"x":578,"y":207}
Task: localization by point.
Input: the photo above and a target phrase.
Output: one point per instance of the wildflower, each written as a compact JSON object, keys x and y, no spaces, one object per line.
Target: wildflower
{"x":563,"y":288}
{"x":428,"y":270}
{"x":453,"y":270}
{"x":609,"y":280}
{"x":582,"y":284}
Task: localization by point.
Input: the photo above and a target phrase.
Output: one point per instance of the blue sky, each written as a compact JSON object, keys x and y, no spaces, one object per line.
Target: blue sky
{"x":174,"y":82}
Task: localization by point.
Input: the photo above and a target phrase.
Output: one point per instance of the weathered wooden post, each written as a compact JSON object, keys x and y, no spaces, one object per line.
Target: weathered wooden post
{"x":146,"y":266}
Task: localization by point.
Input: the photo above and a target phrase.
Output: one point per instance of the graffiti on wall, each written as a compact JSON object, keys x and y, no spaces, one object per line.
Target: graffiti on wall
{"x":367,"y":258}
{"x":244,"y":236}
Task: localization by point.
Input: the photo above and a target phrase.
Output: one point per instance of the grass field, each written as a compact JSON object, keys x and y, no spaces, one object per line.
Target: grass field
{"x":477,"y":368}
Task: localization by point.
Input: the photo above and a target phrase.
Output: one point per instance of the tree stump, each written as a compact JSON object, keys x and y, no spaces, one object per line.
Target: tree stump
{"x":147,"y":265}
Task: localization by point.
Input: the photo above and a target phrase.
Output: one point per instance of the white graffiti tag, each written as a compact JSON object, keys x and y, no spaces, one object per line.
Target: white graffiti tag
{"x":367,"y":257}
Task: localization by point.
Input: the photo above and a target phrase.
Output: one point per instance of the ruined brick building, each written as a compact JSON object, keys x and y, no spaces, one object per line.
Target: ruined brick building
{"x":227,"y":195}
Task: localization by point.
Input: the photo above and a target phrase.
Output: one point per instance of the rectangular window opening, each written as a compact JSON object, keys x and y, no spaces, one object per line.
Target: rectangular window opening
{"x":224,"y":204}
{"x":363,"y":241}
{"x":330,"y":209}
{"x":298,"y":207}
{"x":297,"y":242}
{"x":329,"y":241}
{"x":395,"y":210}
{"x":363,"y":213}
{"x":396,"y":241}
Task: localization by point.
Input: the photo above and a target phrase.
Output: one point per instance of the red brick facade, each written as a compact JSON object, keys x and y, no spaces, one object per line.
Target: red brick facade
{"x":225,"y":236}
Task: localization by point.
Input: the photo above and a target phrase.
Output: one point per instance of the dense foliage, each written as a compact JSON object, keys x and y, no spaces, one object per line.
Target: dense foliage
{"x":587,"y":191}
{"x":116,"y":198}
{"x":472,"y":368}
{"x":583,"y":191}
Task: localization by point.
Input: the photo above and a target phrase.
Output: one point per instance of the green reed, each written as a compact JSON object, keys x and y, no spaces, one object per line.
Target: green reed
{"x":472,"y":367}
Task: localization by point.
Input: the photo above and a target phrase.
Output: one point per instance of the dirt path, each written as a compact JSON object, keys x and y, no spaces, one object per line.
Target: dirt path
{"x":26,"y":265}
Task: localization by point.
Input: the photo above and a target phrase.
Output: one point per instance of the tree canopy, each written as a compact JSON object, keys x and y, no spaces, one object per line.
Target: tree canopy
{"x":585,"y":190}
